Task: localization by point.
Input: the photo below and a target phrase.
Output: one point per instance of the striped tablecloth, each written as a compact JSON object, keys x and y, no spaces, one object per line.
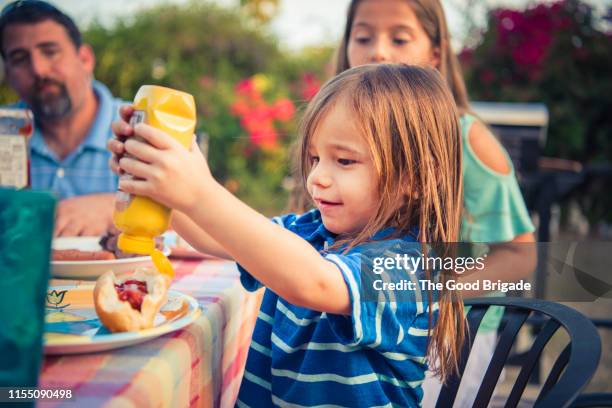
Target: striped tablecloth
{"x":199,"y":366}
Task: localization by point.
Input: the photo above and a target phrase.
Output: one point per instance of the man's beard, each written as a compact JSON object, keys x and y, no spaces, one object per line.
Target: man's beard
{"x":50,"y":106}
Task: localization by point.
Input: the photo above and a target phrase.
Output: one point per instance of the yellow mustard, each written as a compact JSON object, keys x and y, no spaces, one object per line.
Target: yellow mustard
{"x":139,"y":218}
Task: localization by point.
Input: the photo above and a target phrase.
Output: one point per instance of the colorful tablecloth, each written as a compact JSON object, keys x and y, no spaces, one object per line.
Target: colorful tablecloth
{"x":199,"y":366}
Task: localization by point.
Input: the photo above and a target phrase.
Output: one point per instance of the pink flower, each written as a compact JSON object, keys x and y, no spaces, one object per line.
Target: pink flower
{"x":240,"y":108}
{"x":265,"y":137}
{"x":257,"y":119}
{"x":528,"y":35}
{"x":310,"y":86}
{"x":283,"y":110}
{"x":245,"y":87}
{"x":257,"y":116}
{"x":466,"y":56}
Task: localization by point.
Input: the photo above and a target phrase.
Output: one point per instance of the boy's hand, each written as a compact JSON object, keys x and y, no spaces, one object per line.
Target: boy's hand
{"x":164,"y":170}
{"x":122,"y":130}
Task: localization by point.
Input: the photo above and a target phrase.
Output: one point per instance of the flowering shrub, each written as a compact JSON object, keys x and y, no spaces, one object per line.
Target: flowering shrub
{"x":256,"y":115}
{"x":551,"y":53}
{"x":309,"y":86}
{"x":260,"y":163}
{"x":528,"y":35}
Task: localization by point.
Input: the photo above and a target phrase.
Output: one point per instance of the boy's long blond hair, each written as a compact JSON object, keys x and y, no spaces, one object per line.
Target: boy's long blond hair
{"x":431,"y":16}
{"x":409,"y":120}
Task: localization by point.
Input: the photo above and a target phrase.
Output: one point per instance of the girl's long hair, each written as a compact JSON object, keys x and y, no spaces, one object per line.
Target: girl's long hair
{"x":431,"y":16}
{"x":409,"y":120}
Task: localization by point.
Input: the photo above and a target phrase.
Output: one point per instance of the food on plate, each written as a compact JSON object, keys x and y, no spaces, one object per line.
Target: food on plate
{"x":108,"y":251}
{"x":130,"y":303}
{"x":175,"y":308}
{"x":108,"y":242}
{"x":78,"y":255}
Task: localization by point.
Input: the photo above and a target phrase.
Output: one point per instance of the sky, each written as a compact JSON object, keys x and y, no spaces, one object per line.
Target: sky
{"x":299,"y":23}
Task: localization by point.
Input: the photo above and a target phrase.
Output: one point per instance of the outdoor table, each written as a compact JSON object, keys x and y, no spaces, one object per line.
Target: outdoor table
{"x":199,"y":366}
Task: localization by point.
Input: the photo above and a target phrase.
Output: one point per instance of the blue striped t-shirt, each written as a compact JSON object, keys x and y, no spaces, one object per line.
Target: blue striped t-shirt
{"x":374,"y":357}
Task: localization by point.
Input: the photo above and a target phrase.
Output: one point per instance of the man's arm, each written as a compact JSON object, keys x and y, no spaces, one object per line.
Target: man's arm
{"x":85,"y":215}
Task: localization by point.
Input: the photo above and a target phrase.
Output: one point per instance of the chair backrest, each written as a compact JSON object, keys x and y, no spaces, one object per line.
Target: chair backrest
{"x":26,"y":227}
{"x":571,"y":372}
{"x":596,"y":400}
{"x":520,"y":127}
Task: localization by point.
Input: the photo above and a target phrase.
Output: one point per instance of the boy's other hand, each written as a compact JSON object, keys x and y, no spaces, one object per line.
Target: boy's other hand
{"x":122,"y":130}
{"x":163,"y":169}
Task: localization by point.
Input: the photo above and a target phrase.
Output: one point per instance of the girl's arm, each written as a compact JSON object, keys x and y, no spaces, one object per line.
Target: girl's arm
{"x":279,"y":259}
{"x":508,"y":261}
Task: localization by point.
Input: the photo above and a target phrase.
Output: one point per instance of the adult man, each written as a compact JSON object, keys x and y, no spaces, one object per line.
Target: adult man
{"x":51,"y":70}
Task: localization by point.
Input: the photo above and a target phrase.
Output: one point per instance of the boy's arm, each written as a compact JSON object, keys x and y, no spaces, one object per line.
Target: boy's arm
{"x":164,"y":170}
{"x":278,"y":258}
{"x":197,"y":237}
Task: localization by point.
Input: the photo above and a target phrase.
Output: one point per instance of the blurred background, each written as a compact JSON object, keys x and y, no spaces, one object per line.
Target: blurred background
{"x":253,"y":64}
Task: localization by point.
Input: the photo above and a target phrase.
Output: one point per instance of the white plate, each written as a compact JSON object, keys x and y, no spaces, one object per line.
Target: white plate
{"x":91,"y":270}
{"x":72,"y":326}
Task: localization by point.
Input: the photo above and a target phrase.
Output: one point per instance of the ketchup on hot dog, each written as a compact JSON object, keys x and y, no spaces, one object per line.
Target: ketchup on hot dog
{"x":133,"y":291}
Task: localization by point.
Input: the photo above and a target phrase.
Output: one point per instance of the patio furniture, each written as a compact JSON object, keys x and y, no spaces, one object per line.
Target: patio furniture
{"x":520,"y":127}
{"x":544,"y":181}
{"x":570,"y":373}
{"x":596,"y":399}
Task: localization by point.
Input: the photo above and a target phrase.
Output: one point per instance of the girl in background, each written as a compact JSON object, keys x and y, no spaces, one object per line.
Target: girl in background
{"x":494,"y":213}
{"x":380,"y":157}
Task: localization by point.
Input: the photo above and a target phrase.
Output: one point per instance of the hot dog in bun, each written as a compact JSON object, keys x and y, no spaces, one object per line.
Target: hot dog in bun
{"x":130,"y":304}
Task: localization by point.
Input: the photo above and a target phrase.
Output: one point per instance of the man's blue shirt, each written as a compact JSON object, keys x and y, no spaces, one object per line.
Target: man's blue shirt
{"x":85,"y":170}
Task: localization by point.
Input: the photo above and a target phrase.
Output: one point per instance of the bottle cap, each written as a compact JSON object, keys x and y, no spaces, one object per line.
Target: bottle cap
{"x":135,"y":245}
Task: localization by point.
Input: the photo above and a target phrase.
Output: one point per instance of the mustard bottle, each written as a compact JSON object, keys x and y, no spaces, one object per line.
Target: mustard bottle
{"x":141,"y":219}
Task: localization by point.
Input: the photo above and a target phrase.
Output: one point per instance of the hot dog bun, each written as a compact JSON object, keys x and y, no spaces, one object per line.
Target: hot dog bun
{"x":119,"y":315}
